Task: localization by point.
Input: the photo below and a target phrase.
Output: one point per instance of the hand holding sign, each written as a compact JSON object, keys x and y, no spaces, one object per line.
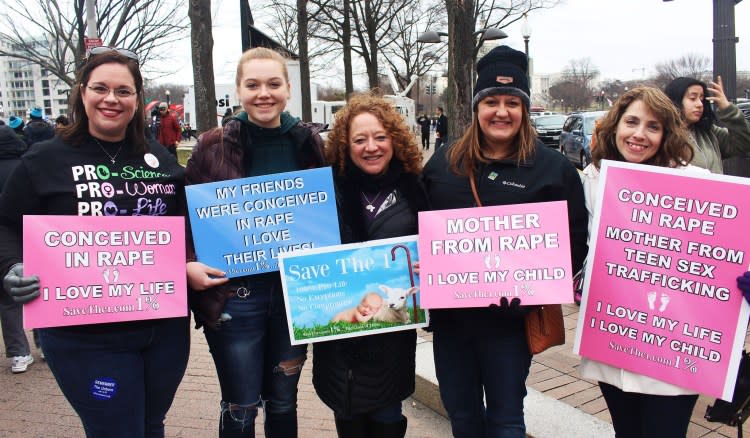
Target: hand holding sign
{"x":21,"y":289}
{"x":202,"y":277}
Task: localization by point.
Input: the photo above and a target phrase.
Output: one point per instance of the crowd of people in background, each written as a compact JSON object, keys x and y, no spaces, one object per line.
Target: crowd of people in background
{"x":481,"y":355}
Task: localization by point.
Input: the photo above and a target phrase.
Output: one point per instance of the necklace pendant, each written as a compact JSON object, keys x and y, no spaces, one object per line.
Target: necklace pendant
{"x":112,"y":160}
{"x":370,"y":208}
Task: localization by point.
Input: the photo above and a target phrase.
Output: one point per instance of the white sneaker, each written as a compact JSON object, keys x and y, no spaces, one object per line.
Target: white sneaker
{"x":19,"y":364}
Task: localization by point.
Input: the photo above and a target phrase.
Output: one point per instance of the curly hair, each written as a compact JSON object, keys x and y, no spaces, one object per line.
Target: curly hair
{"x":405,"y":148}
{"x":674,"y":149}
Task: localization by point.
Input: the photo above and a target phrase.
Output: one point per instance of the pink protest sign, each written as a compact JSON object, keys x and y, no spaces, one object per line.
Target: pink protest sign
{"x":95,"y":269}
{"x":660,"y":295}
{"x":472,"y":257}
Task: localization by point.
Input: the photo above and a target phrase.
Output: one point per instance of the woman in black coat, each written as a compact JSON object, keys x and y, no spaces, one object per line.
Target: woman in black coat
{"x":376,"y":164}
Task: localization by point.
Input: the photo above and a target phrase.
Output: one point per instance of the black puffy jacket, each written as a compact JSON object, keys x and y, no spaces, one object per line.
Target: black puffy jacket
{"x":11,"y":149}
{"x":358,"y":375}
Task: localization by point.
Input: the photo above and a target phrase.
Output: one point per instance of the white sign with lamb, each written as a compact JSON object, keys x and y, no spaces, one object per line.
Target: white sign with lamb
{"x":345,"y":291}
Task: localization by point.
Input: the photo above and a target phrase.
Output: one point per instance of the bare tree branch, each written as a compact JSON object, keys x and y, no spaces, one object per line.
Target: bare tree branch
{"x":48,"y":34}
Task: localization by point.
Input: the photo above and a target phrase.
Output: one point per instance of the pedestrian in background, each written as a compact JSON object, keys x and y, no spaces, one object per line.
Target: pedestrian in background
{"x":227,"y":115}
{"x":481,"y":354}
{"x":61,"y":121}
{"x":143,"y":360}
{"x":11,"y":313}
{"x":37,"y":129}
{"x":424,"y":123}
{"x":376,"y":164}
{"x":16,"y":124}
{"x":255,"y":361}
{"x":711,"y":143}
{"x":441,"y":129}
{"x":169,"y":132}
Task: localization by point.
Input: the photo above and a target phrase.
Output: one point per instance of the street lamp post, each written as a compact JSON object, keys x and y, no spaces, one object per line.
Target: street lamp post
{"x":526,"y":34}
{"x":725,"y":45}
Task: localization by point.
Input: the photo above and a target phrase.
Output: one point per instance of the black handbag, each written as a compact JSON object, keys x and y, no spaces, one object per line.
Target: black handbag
{"x":736,"y":412}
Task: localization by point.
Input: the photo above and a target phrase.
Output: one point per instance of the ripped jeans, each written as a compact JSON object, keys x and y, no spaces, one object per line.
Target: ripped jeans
{"x":256,"y":364}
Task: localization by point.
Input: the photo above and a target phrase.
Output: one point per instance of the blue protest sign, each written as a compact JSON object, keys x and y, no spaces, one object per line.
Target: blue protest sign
{"x":241,"y":226}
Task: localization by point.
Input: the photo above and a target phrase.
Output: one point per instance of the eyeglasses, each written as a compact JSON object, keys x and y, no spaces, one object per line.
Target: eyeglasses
{"x":120,"y":93}
{"x":104,"y":49}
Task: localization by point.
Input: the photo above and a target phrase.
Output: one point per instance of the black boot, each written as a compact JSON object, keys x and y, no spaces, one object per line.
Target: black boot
{"x":281,"y":425}
{"x":387,"y":430}
{"x":352,"y":428}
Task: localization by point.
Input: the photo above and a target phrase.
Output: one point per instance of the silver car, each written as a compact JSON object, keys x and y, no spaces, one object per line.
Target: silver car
{"x":575,"y":138}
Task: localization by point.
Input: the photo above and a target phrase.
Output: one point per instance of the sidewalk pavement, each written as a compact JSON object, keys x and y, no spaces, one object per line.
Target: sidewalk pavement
{"x":32,"y":406}
{"x":559,"y":403}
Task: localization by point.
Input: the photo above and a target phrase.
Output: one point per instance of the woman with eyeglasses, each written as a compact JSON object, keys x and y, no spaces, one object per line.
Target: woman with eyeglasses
{"x":140,"y":362}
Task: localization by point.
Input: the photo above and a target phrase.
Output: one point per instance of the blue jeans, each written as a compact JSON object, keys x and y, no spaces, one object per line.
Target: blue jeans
{"x":14,"y":337}
{"x":255,"y":362}
{"x":474,"y":365}
{"x":636,"y":415}
{"x":121,"y":383}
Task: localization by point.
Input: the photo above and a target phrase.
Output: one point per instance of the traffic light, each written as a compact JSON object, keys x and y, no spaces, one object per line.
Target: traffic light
{"x":430,"y":89}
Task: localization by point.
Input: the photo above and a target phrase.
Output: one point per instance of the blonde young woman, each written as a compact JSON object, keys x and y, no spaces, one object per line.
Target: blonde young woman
{"x":256,"y":364}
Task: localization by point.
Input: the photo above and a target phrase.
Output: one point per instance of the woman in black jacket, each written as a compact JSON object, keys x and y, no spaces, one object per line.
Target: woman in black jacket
{"x":481,"y":354}
{"x":376,"y":164}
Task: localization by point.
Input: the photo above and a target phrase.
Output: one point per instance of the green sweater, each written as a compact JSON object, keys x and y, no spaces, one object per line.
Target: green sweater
{"x":712,"y":146}
{"x":273,"y":148}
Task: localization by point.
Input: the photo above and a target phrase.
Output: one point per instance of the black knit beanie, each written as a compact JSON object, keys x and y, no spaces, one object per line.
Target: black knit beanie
{"x":676,"y":91}
{"x":502,"y":71}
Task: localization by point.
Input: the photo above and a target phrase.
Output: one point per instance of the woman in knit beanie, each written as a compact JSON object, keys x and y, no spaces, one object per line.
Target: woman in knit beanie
{"x":481,"y":353}
{"x":711,"y":143}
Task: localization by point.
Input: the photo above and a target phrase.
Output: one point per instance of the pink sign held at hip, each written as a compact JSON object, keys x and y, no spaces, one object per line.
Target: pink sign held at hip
{"x":473,"y":257}
{"x":660,"y":296}
{"x":95,"y":269}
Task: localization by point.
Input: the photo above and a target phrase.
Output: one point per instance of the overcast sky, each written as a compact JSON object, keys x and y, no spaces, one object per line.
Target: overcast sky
{"x":624,"y":39}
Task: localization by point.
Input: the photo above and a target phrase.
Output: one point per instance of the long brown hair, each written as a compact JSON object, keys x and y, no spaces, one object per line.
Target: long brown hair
{"x":405,"y":148}
{"x":466,"y":154}
{"x":675,"y":149}
{"x":77,"y":132}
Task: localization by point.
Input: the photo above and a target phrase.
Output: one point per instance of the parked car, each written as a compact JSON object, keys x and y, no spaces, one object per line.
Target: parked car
{"x":575,"y":138}
{"x":548,"y":128}
{"x":745,"y":108}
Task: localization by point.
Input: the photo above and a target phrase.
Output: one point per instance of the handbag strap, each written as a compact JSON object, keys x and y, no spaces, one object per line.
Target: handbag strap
{"x":474,"y":189}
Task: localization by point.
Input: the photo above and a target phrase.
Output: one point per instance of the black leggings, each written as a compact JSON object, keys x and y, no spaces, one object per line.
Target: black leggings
{"x":636,"y":415}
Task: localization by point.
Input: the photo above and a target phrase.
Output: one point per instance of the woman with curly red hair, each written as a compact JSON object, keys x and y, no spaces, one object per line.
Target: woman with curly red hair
{"x":376,"y":164}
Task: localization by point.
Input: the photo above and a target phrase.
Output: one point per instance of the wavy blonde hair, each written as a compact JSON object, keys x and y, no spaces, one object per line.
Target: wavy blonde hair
{"x":405,"y":148}
{"x":260,"y":53}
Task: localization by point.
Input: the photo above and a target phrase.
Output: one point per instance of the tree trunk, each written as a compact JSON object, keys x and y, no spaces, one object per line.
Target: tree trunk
{"x":461,"y":23}
{"x":202,"y":44}
{"x":346,"y":33}
{"x":304,"y":59}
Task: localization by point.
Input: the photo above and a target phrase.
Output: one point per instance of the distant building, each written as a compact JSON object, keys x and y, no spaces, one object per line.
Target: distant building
{"x":24,"y":85}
